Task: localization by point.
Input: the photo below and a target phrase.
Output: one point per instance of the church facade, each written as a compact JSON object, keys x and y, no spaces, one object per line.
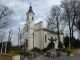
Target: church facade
{"x":34,"y":35}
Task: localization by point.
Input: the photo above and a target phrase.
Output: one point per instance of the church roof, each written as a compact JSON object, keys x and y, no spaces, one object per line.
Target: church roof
{"x":51,"y":31}
{"x":30,"y":9}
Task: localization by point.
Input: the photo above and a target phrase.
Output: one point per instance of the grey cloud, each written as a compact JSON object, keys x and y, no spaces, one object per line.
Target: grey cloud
{"x":20,"y":7}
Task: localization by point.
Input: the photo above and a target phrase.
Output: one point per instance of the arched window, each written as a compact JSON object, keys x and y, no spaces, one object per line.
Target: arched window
{"x":26,"y":44}
{"x":45,"y":39}
{"x":32,"y":18}
{"x":27,"y":18}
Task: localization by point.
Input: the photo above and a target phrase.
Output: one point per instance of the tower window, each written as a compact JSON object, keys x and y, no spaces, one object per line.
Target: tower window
{"x":32,"y":18}
{"x":45,"y":38}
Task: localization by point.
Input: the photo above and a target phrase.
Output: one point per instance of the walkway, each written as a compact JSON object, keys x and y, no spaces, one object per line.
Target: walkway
{"x":58,"y":58}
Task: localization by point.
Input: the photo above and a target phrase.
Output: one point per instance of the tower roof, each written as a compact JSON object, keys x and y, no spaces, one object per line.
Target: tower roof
{"x":30,"y":9}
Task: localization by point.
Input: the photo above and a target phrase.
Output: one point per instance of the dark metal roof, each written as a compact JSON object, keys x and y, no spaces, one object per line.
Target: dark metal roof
{"x":49,"y":31}
{"x":52,"y":31}
{"x":30,"y":9}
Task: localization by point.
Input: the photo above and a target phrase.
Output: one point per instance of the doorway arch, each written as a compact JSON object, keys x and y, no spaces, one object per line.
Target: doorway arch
{"x":26,"y":44}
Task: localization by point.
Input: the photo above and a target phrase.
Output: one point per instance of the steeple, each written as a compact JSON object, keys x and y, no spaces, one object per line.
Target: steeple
{"x":30,"y":9}
{"x":30,"y":14}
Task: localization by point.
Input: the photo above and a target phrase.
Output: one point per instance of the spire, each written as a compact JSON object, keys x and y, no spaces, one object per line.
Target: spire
{"x":30,"y":9}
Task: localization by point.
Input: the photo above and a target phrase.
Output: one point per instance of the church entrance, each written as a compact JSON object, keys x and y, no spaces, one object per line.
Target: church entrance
{"x":26,"y":44}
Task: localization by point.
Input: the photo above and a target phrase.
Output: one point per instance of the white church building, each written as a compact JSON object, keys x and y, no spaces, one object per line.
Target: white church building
{"x":35,"y":35}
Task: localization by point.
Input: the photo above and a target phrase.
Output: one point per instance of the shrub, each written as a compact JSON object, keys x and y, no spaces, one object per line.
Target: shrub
{"x":14,"y":50}
{"x":36,"y":50}
{"x":50,"y":45}
{"x":71,"y":51}
{"x":44,"y":50}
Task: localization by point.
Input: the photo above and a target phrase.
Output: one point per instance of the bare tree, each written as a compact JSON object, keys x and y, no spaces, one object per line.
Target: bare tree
{"x":4,"y":15}
{"x":54,"y":20}
{"x":71,"y":14}
{"x":10,"y":35}
{"x":2,"y":35}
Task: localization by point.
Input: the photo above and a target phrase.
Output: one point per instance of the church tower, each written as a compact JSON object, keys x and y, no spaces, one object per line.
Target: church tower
{"x":30,"y":14}
{"x":30,"y":27}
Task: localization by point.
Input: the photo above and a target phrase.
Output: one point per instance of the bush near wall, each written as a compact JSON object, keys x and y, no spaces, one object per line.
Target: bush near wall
{"x":36,"y":50}
{"x":14,"y":50}
{"x":40,"y":51}
{"x":71,"y":51}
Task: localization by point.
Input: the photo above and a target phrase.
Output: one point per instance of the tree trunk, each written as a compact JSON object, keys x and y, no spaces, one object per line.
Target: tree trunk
{"x":70,"y":35}
{"x":58,"y":32}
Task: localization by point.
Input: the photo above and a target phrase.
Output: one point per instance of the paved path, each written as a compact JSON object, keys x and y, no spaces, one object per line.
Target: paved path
{"x":58,"y":58}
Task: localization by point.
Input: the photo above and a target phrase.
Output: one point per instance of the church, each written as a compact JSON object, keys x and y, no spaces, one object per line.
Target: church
{"x":35,"y":35}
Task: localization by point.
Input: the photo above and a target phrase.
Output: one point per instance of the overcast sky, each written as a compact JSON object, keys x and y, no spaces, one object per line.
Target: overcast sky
{"x":20,"y":7}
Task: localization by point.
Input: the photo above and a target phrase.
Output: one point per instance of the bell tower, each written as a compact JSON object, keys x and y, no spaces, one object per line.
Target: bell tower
{"x":30,"y":27}
{"x":30,"y":14}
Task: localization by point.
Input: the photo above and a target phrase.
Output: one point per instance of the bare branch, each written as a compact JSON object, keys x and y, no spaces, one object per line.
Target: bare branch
{"x":4,"y":15}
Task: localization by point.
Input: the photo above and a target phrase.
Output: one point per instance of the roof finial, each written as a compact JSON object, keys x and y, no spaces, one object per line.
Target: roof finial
{"x":30,"y":3}
{"x":30,"y":8}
